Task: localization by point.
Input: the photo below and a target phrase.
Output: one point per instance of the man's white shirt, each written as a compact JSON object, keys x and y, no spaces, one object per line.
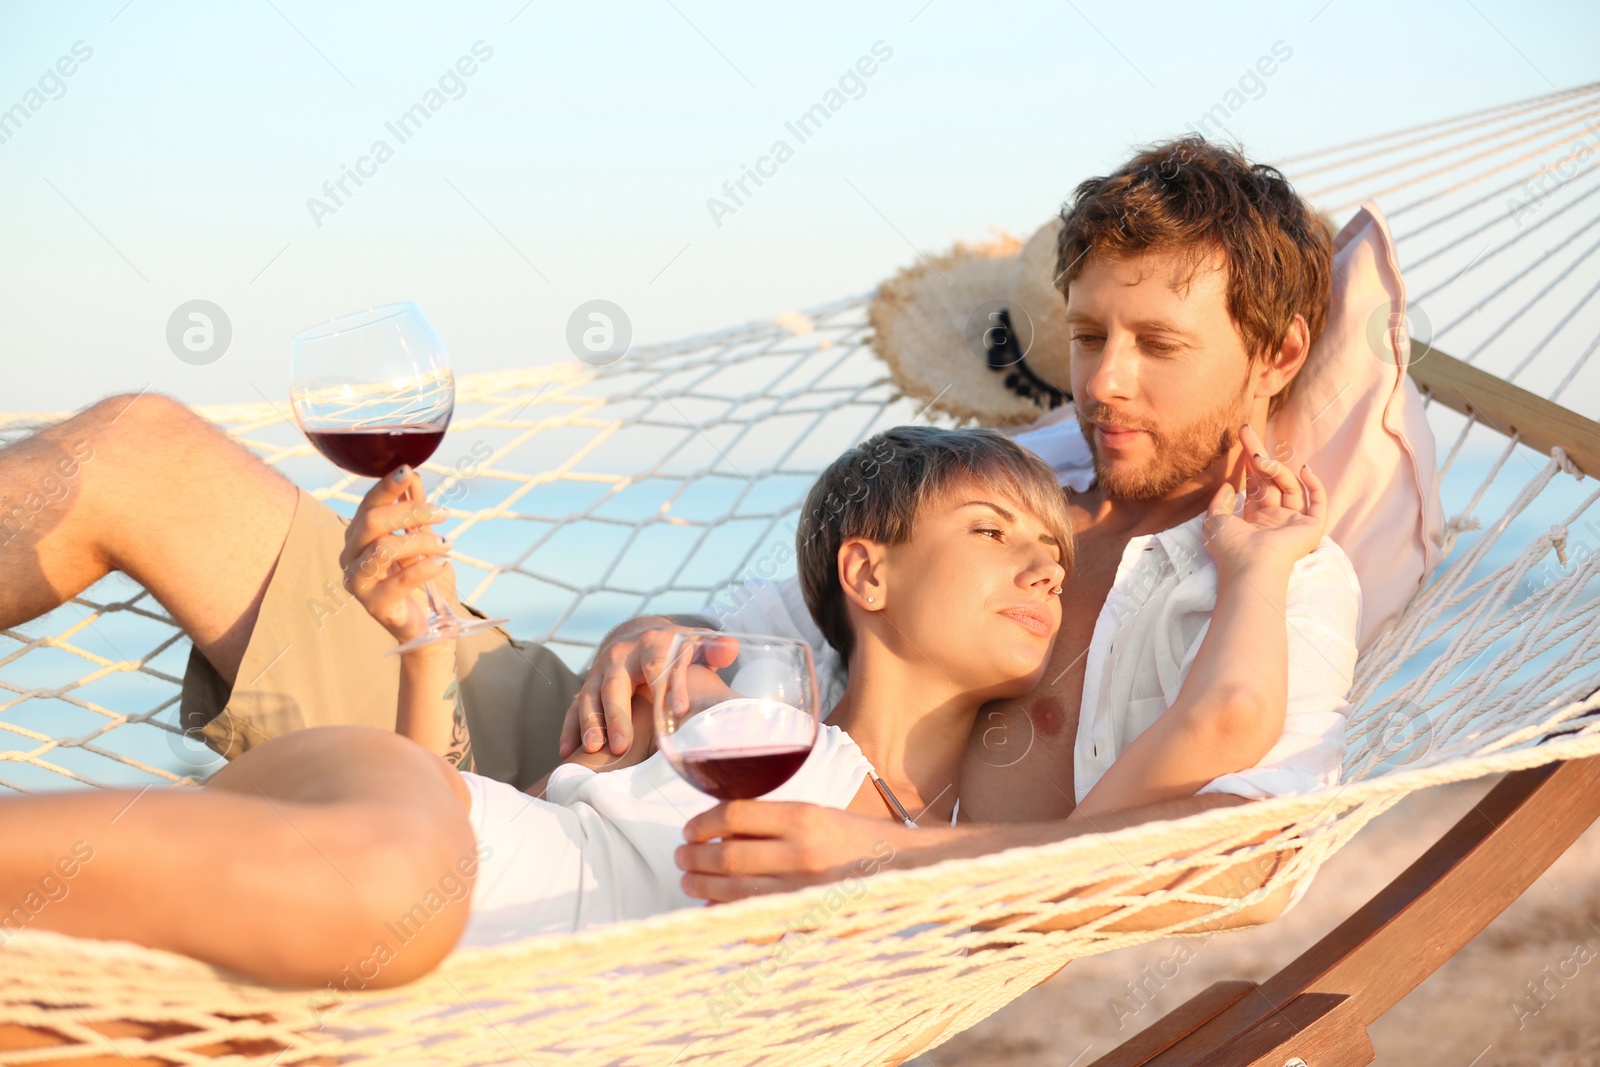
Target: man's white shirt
{"x":1146,"y":637}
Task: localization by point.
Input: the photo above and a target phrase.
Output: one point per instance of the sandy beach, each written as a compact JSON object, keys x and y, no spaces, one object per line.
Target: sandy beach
{"x":1476,"y":1011}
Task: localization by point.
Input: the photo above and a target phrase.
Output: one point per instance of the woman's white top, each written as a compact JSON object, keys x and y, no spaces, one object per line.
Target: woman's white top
{"x":600,"y":848}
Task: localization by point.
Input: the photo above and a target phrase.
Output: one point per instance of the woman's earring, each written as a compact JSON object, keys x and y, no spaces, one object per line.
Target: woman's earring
{"x":872,"y":600}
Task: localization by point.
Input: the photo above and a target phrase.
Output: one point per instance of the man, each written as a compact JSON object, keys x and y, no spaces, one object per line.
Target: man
{"x":1194,"y":286}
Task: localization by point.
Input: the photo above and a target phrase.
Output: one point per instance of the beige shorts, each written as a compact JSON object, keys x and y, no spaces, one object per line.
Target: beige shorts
{"x":316,"y":658}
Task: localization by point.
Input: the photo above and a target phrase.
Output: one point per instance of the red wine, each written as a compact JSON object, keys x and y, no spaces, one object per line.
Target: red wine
{"x":374,"y":453}
{"x":742,"y":773}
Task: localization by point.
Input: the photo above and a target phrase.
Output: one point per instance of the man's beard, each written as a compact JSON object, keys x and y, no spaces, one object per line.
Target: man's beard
{"x":1176,"y":455}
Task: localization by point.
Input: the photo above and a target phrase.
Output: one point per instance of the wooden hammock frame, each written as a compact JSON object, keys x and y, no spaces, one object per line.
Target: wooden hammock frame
{"x":1318,"y":1008}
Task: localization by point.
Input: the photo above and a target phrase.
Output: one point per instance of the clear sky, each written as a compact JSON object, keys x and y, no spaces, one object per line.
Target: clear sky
{"x":571,"y":151}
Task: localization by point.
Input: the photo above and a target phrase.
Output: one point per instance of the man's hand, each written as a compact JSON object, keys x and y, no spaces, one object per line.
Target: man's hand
{"x":770,"y":846}
{"x":643,"y":748}
{"x":632,"y":655}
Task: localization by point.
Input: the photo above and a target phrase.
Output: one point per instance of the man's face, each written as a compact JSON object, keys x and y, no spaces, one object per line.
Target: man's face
{"x":1160,"y":375}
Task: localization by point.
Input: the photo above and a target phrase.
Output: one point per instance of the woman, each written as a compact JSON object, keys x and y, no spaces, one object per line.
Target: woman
{"x":348,"y":855}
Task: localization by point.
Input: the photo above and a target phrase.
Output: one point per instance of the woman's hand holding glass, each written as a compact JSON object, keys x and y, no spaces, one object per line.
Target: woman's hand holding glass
{"x":374,"y":393}
{"x":391,"y":550}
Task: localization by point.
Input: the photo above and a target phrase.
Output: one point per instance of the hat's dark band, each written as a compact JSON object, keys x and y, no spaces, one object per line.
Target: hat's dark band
{"x":1004,"y":354}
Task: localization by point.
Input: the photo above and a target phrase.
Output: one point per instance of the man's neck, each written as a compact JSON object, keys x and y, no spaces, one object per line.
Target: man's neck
{"x":1129,"y":517}
{"x":910,"y":723}
{"x":1125,"y":518}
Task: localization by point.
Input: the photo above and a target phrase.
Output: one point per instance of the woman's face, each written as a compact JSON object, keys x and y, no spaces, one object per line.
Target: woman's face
{"x":972,"y":592}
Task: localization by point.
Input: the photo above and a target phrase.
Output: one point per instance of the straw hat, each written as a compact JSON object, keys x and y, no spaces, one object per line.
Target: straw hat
{"x":980,"y":333}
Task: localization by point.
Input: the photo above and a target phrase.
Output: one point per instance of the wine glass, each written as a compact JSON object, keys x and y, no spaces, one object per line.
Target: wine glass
{"x":373,"y":391}
{"x":738,"y":713}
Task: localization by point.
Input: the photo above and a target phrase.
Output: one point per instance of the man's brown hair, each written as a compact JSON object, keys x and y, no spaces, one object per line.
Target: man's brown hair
{"x":1197,"y":198}
{"x":877,"y":489}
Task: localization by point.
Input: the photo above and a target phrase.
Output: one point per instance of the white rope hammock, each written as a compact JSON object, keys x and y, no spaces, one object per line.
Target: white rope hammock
{"x":588,"y":494}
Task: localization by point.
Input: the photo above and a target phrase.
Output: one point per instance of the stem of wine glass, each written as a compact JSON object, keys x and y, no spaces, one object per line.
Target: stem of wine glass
{"x":437,"y":615}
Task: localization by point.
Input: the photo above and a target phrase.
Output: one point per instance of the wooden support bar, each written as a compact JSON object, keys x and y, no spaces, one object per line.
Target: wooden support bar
{"x":1505,"y":407}
{"x":1178,"y":1024}
{"x":1397,"y":940}
{"x":1315,"y":1025}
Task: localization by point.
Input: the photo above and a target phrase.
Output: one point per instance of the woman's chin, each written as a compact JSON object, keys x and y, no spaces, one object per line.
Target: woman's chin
{"x":997,"y":669}
{"x":1023,"y":680}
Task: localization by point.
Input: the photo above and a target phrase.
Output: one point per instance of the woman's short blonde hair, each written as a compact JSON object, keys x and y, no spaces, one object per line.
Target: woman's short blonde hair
{"x":877,"y":490}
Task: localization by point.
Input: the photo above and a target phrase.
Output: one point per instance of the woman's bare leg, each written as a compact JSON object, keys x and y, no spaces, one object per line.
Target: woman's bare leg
{"x":341,"y":854}
{"x":141,"y":484}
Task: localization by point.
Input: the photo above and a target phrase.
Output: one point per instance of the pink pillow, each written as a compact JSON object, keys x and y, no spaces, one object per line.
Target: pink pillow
{"x":1357,"y":418}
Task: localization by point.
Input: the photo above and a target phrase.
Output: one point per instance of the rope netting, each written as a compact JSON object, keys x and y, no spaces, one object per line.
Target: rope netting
{"x":665,"y":481}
